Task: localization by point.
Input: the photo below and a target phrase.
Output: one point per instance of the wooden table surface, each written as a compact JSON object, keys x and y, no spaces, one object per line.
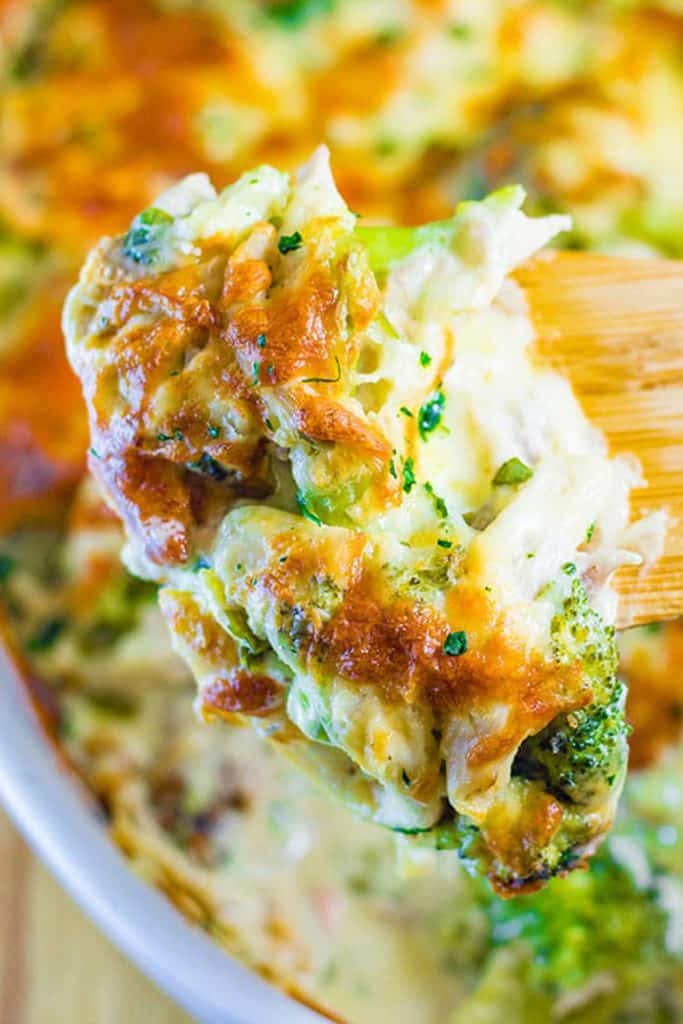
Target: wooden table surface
{"x":55,"y":967}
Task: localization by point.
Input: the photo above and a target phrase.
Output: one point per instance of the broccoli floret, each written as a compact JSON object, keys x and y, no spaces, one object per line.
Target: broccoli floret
{"x":581,"y":753}
{"x":593,"y":923}
{"x":145,"y":236}
{"x":580,"y":758}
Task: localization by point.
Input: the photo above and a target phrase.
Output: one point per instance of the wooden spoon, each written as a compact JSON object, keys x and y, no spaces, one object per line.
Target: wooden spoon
{"x":614,"y":326}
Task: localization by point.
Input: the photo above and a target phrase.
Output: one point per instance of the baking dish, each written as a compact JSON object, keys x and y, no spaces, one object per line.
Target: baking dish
{"x":65,"y":831}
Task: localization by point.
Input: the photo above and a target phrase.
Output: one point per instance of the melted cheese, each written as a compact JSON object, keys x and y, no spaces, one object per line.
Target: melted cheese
{"x":252,"y":344}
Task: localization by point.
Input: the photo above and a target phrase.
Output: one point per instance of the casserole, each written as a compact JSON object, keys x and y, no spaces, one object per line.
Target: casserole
{"x":590,"y":129}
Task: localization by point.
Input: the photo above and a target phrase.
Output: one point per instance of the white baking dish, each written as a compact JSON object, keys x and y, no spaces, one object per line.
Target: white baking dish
{"x":60,"y":826}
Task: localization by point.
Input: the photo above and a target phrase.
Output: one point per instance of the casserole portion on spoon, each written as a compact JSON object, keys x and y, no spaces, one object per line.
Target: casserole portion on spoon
{"x":383,"y":527}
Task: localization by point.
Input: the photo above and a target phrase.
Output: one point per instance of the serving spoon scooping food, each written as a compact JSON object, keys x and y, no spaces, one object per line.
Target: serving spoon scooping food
{"x":614,"y":326}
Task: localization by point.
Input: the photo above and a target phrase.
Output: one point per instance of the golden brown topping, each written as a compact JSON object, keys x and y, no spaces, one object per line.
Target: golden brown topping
{"x":230,"y":689}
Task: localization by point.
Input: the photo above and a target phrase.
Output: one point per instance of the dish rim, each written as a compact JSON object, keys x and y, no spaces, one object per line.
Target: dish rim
{"x":43,"y":800}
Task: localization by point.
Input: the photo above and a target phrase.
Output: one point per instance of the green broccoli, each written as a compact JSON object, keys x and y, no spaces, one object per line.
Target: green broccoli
{"x":580,"y":754}
{"x":580,"y":758}
{"x":596,"y":928}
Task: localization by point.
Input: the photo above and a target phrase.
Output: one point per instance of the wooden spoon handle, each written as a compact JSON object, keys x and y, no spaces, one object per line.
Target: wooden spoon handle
{"x":615,"y":327}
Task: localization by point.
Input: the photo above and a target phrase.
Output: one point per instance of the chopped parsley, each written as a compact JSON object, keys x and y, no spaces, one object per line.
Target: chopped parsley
{"x":440,"y":505}
{"x":444,"y":543}
{"x":289,"y":243}
{"x":455,"y":643}
{"x":201,"y":563}
{"x":214,"y":432}
{"x":430,"y":414}
{"x":406,"y":411}
{"x":306,"y":511}
{"x":408,"y":475}
{"x":95,"y":454}
{"x":512,"y":472}
{"x":425,"y":359}
{"x":589,"y":532}
{"x":177,"y":435}
{"x":569,"y":569}
{"x":255,"y":371}
{"x":261,"y":341}
{"x":392,"y":469}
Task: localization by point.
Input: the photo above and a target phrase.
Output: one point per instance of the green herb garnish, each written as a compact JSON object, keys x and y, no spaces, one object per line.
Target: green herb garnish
{"x":261,"y":341}
{"x":440,"y":505}
{"x":288,"y":243}
{"x":512,"y":472}
{"x":430,"y":414}
{"x":589,"y":533}
{"x":444,"y":543}
{"x":455,"y":643}
{"x":406,"y":411}
{"x":408,"y":475}
{"x":569,"y":569}
{"x":425,"y":359}
{"x":214,"y":432}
